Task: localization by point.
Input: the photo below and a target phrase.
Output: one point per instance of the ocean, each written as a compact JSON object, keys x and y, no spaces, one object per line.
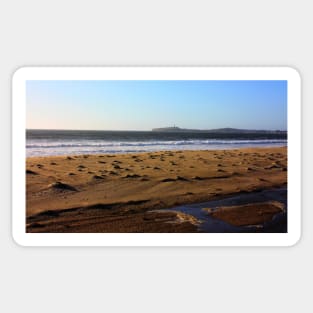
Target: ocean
{"x":67,"y":142}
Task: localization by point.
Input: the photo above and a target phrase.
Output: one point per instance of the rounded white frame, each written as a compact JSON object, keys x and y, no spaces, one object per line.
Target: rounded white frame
{"x":155,"y":73}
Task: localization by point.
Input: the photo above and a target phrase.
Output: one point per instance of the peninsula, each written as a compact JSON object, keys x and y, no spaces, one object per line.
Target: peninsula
{"x":175,"y":129}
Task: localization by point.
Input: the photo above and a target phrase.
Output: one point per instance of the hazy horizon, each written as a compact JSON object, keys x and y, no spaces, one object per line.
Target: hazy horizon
{"x":144,"y":105}
{"x":147,"y":130}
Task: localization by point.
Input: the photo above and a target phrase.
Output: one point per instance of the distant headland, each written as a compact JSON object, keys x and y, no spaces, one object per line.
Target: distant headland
{"x":227,"y":130}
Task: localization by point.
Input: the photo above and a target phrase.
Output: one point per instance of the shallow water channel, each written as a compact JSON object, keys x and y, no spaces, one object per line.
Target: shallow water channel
{"x":212,"y":225}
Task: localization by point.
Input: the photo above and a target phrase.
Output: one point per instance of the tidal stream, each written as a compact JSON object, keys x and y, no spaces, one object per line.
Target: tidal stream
{"x":209,"y":224}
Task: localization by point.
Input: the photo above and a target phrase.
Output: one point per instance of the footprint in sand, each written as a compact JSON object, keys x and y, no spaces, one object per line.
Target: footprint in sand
{"x":165,"y":180}
{"x":97,"y":177}
{"x":113,"y":173}
{"x":117,"y":167}
{"x":270,"y":167}
{"x":177,"y":178}
{"x":31,"y":172}
{"x":131,"y":176}
{"x":198,"y":178}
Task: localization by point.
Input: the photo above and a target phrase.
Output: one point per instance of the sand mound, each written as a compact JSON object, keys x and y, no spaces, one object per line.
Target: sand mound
{"x":62,"y":186}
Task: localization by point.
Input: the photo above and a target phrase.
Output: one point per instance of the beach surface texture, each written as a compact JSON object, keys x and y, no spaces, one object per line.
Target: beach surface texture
{"x":136,"y":192}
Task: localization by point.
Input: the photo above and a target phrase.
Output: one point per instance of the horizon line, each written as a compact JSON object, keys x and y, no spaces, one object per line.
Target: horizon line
{"x":138,"y":130}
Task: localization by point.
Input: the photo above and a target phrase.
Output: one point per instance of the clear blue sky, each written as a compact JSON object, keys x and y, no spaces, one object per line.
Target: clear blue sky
{"x":143,"y":105}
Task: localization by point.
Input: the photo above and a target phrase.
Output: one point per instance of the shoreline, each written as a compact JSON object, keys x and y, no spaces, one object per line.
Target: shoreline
{"x":119,"y":192}
{"x":212,"y":148}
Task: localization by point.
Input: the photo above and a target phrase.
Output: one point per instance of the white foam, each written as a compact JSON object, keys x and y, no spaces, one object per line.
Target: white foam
{"x":57,"y":147}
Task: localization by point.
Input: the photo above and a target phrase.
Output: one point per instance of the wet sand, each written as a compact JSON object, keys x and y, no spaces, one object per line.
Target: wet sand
{"x":256,"y":211}
{"x":248,"y":214}
{"x":127,"y":192}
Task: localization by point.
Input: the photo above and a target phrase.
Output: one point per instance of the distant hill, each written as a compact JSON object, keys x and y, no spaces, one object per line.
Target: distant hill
{"x":227,"y":130}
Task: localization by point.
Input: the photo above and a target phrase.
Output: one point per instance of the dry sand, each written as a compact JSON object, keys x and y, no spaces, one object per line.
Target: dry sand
{"x":116,"y":193}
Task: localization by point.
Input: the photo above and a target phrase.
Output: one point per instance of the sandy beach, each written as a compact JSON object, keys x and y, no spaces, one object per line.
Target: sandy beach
{"x":131,"y":192}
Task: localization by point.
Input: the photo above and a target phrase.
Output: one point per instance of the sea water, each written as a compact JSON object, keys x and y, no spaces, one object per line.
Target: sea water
{"x":67,"y":142}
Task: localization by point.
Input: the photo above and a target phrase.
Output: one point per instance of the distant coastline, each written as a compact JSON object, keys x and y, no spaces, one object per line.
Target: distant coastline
{"x":226,"y":130}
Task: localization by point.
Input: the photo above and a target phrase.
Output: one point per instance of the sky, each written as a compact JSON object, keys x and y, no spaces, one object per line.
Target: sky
{"x":143,"y":105}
